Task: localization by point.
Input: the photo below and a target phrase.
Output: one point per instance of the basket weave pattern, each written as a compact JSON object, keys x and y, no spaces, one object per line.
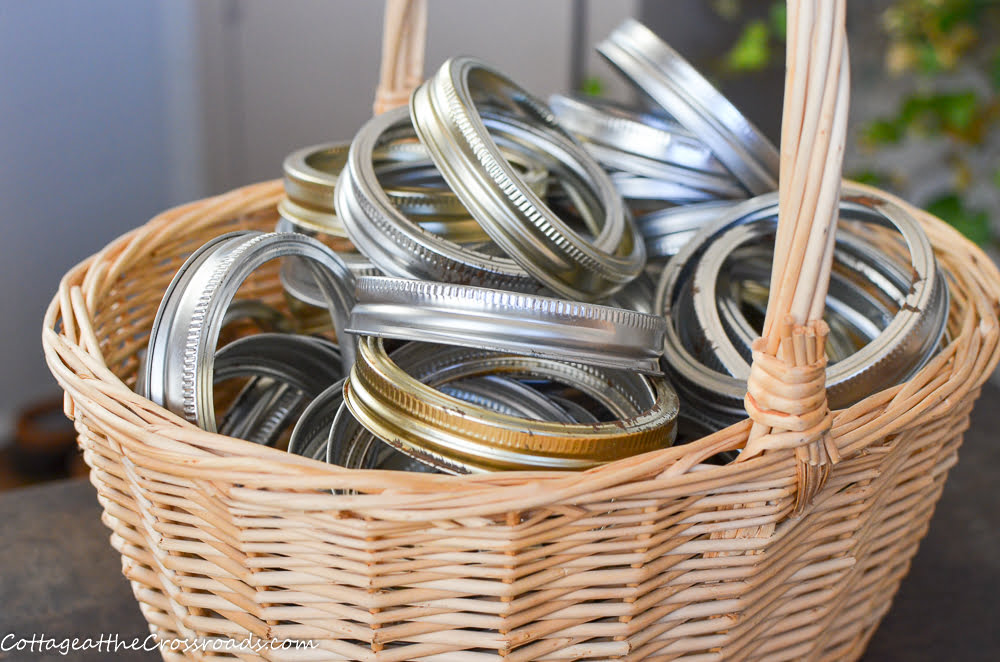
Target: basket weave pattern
{"x":631,"y":560}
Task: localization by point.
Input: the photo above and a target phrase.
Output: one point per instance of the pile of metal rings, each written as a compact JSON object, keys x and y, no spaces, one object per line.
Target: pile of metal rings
{"x":468,"y":282}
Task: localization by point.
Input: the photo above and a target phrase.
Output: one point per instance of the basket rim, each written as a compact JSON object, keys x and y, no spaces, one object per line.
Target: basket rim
{"x":179,"y":448}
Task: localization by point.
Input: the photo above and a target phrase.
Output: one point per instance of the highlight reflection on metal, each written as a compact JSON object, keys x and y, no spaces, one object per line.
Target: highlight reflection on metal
{"x":505,"y":321}
{"x":456,"y":436}
{"x":178,"y":370}
{"x":446,"y":113}
{"x":624,"y":130}
{"x":898,"y":311}
{"x":667,"y":231}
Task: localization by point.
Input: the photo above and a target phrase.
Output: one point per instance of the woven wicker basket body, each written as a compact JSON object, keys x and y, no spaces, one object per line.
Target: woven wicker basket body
{"x":223,"y":537}
{"x":658,"y":557}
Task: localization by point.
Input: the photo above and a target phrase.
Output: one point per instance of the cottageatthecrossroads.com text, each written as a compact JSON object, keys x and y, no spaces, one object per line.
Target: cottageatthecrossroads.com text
{"x":115,"y":643}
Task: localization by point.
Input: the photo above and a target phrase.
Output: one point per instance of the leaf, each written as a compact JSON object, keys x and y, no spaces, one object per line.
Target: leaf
{"x":751,"y":52}
{"x":995,"y":70}
{"x":959,"y":110}
{"x":929,"y":60}
{"x":870,"y":177}
{"x":592,"y":86}
{"x":882,"y":132}
{"x":777,"y":16}
{"x":974,"y":224}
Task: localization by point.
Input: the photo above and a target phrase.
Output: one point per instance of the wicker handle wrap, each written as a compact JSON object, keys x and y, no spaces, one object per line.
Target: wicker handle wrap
{"x":786,"y":396}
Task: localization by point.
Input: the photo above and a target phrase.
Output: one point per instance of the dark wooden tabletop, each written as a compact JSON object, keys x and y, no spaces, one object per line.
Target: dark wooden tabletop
{"x":62,"y":578}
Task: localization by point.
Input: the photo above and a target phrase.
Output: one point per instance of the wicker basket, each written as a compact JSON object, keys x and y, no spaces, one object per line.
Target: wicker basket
{"x":659,"y":556}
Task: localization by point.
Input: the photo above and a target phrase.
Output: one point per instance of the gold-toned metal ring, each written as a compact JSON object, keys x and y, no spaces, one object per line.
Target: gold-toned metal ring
{"x":462,"y":437}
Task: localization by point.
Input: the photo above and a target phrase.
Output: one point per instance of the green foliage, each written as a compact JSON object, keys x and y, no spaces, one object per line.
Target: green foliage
{"x":752,"y":51}
{"x":870,"y":177}
{"x":995,"y":70}
{"x":778,"y":19}
{"x":882,"y":132}
{"x":974,"y":224}
{"x":592,"y":86}
{"x":927,"y":41}
{"x":759,"y":42}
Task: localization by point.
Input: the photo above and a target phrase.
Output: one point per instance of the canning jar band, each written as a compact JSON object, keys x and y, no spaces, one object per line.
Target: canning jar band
{"x":396,"y":243}
{"x":446,"y":116}
{"x":626,"y":131}
{"x":668,"y":79}
{"x":423,"y":421}
{"x":506,"y":321}
{"x":178,"y":371}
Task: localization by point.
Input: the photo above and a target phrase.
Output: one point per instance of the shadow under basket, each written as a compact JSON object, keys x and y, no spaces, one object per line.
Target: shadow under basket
{"x":660,"y":556}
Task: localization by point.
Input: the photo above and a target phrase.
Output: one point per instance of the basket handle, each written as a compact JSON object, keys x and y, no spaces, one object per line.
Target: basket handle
{"x":404,"y":33}
{"x":786,"y":391}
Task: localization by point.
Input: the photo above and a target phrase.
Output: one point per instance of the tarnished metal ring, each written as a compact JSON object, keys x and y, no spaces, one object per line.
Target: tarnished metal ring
{"x":915,"y":332}
{"x":867,"y":289}
{"x":446,"y":116}
{"x":898,"y":350}
{"x":458,"y":437}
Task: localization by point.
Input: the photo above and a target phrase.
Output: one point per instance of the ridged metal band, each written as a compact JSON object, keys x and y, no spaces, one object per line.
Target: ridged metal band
{"x":178,"y":371}
{"x":458,"y":437}
{"x":397,"y":244}
{"x":867,"y":289}
{"x":899,"y":350}
{"x":324,"y":432}
{"x":311,"y":174}
{"x":445,"y":113}
{"x":506,"y":321}
{"x":410,"y":179}
{"x":668,"y":79}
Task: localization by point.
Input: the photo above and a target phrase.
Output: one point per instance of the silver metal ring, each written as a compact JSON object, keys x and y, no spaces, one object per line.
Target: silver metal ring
{"x":179,"y":364}
{"x":624,"y":130}
{"x":397,"y":244}
{"x":446,"y":117}
{"x":867,"y":289}
{"x":286,"y":372}
{"x":899,"y":350}
{"x":505,"y":321}
{"x":645,"y":194}
{"x":667,"y":231}
{"x":296,"y":276}
{"x":668,"y":79}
